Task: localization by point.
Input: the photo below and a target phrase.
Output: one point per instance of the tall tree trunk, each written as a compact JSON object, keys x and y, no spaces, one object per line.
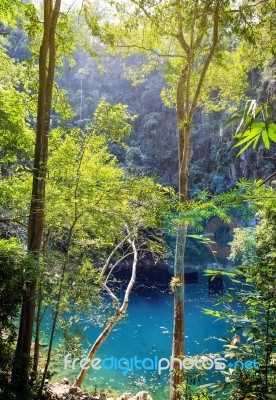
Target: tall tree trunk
{"x":183,"y":156}
{"x":186,"y":102}
{"x":47,"y":59}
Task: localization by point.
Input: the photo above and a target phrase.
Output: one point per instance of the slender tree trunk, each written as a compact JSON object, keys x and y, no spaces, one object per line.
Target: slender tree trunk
{"x":113,"y":320}
{"x":40,"y":314}
{"x":58,"y":302}
{"x":53,"y":330}
{"x":268,"y":347}
{"x":97,"y":344}
{"x":37,"y":333}
{"x":47,"y":58}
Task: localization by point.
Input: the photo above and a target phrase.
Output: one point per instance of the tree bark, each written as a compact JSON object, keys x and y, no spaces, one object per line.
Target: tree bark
{"x":37,"y":333}
{"x":186,"y":104}
{"x":58,"y":302}
{"x":47,"y":59}
{"x":183,"y":154}
{"x":39,"y":313}
{"x":120,"y":311}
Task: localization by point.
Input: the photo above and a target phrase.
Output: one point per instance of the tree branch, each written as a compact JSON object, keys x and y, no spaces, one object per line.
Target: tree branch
{"x":133,"y":276}
{"x":136,"y":46}
{"x":115,"y":265}
{"x":181,"y":39}
{"x":268,"y":179}
{"x":139,"y":5}
{"x":111,"y":294}
{"x":10,"y":220}
{"x":114,"y":319}
{"x":113,"y":252}
{"x":202,"y":24}
{"x":209,"y":58}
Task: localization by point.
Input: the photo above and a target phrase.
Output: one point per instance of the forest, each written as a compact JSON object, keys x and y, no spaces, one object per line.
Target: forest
{"x":137,"y":200}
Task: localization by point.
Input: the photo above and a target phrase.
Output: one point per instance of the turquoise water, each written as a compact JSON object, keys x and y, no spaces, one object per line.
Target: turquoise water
{"x":147,"y":332}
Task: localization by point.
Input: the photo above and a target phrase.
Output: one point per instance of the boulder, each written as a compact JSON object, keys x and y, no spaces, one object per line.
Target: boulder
{"x":125,"y":396}
{"x":75,"y":390}
{"x":143,"y":396}
{"x":64,"y":381}
{"x":59,"y":389}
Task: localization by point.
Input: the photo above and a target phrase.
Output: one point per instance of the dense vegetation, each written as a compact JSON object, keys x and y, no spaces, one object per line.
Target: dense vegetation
{"x":113,"y":117}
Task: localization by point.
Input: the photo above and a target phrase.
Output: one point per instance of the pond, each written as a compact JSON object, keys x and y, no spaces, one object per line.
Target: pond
{"x":146,"y":332}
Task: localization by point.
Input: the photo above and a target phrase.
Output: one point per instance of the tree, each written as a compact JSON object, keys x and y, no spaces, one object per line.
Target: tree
{"x":120,"y":308}
{"x":74,"y":193}
{"x":190,"y":36}
{"x":96,"y":200}
{"x":47,"y":62}
{"x":143,"y":205}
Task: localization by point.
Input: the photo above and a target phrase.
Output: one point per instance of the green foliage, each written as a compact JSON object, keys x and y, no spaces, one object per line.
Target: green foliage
{"x":255,"y":123}
{"x":16,"y":137}
{"x":9,"y":11}
{"x":188,"y":391}
{"x":111,"y":121}
{"x":89,"y":200}
{"x":89,"y":196}
{"x":257,"y":322}
{"x":13,"y":263}
{"x":92,"y":187}
{"x":243,"y":247}
{"x":227,"y":79}
{"x":16,"y":269}
{"x":136,"y":27}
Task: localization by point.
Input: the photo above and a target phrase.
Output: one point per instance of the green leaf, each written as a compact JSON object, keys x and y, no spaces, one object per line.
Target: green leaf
{"x":251,"y":134}
{"x":265,"y":139}
{"x":272,"y":132}
{"x":251,"y":127}
{"x":245,"y":147}
{"x":237,"y":116}
{"x":256,"y":141}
